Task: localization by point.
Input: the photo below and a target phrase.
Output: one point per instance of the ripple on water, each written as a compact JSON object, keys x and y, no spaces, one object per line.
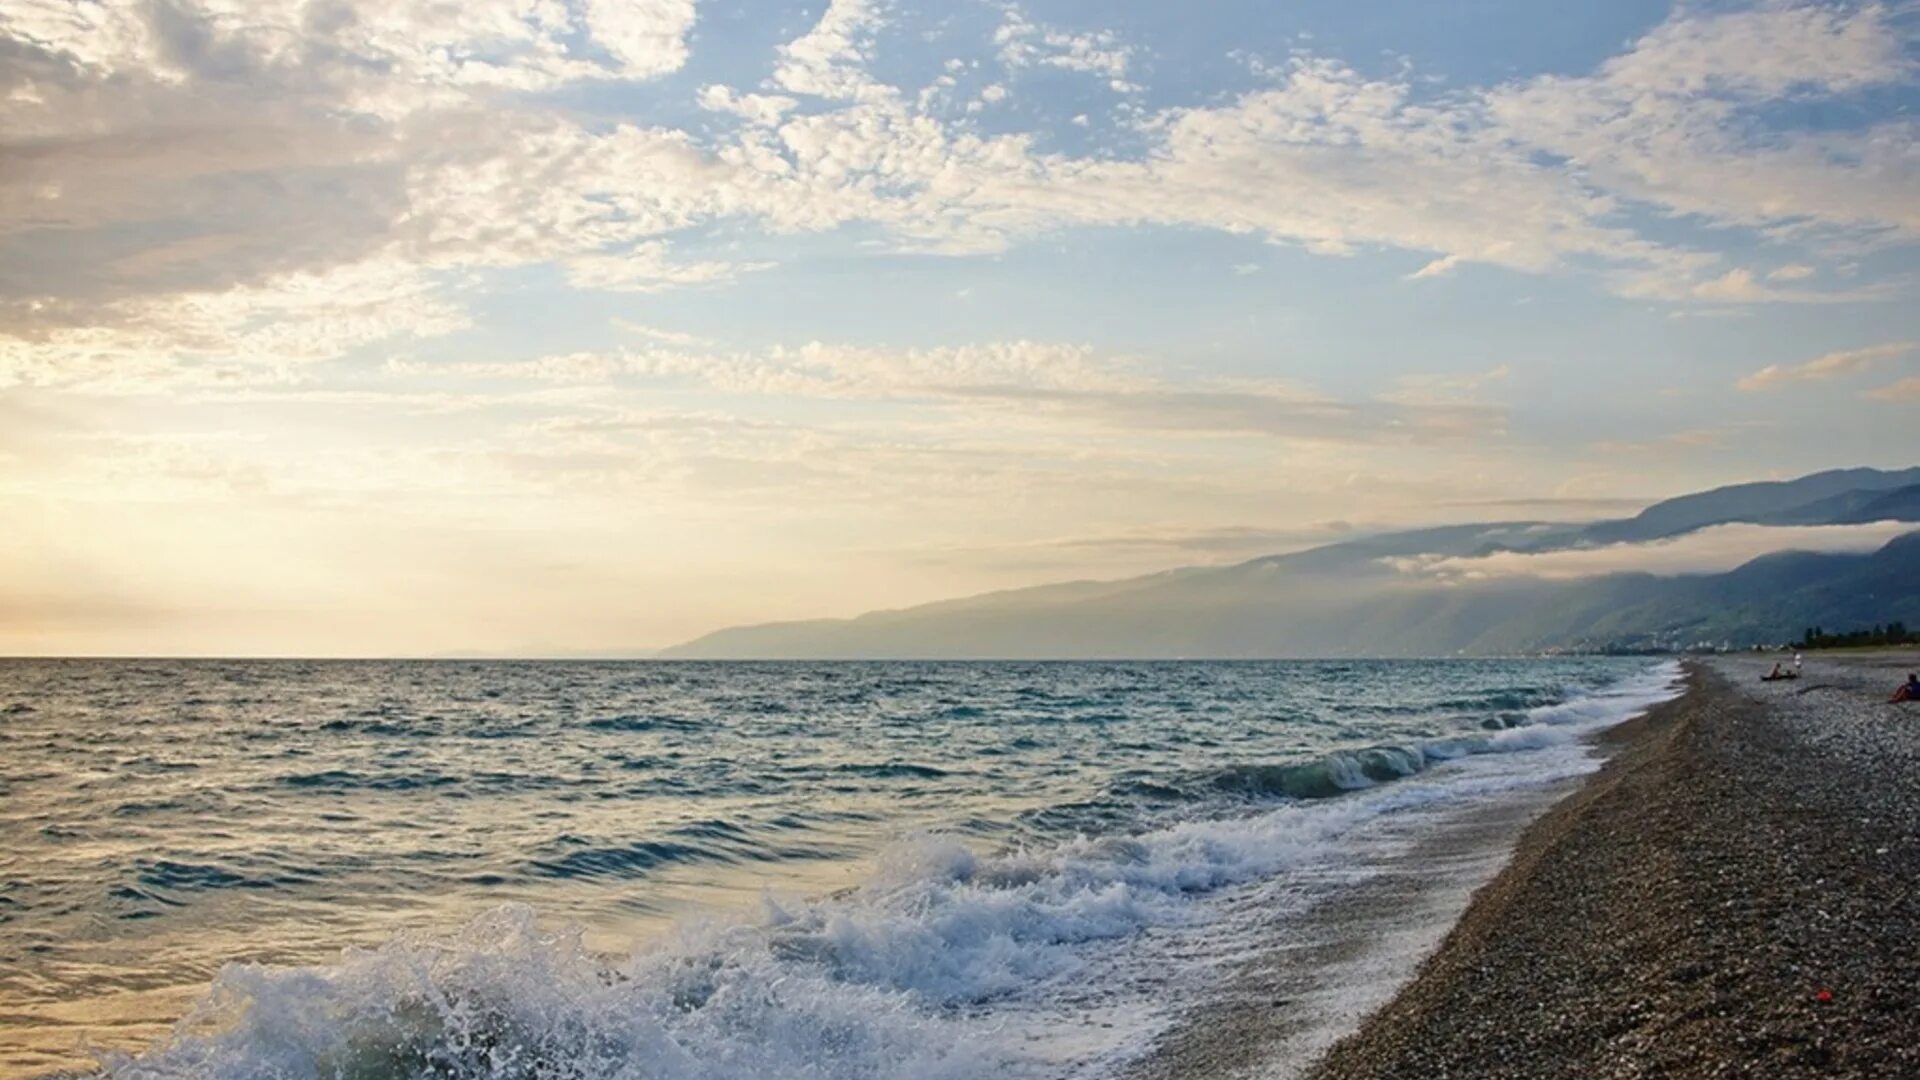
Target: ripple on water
{"x":347,"y":780}
{"x":645,"y":723}
{"x":892,"y":769}
{"x":621,"y":860}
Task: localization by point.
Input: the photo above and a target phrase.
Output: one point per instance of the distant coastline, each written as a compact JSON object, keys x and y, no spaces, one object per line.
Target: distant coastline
{"x":1749,"y":565}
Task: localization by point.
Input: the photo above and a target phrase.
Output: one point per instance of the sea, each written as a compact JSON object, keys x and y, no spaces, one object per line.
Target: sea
{"x":543,"y":870}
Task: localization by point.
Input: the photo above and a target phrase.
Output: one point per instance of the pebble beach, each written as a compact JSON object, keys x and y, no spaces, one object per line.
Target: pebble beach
{"x":1737,"y":893}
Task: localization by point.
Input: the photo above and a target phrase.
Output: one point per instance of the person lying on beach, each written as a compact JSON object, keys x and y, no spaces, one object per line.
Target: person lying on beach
{"x":1910,"y":691}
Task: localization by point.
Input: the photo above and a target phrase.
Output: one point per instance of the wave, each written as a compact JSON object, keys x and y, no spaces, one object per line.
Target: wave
{"x":345,"y":780}
{"x":879,"y":982}
{"x":900,"y":976}
{"x":628,"y":860}
{"x":645,"y":723}
{"x":893,"y":769}
{"x":1334,"y":774}
{"x":1546,"y":724}
{"x":155,"y":885}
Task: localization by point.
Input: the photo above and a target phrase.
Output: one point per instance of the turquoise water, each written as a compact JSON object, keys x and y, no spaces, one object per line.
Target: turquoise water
{"x":695,"y":869}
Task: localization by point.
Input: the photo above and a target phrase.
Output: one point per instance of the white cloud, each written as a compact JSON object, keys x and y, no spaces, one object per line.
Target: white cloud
{"x":1680,"y":281}
{"x":827,"y":61}
{"x":1714,"y":549}
{"x":1024,"y":43}
{"x":660,"y":334}
{"x":648,"y":36}
{"x":264,"y":332}
{"x":1046,"y":383}
{"x":764,"y":110}
{"x":649,"y":267}
{"x":383,"y":58}
{"x":1437,"y":268}
{"x":1826,"y":366}
{"x":1669,"y":122}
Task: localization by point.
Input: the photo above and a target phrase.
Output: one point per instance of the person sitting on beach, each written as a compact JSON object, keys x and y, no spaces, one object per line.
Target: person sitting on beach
{"x":1910,"y":691}
{"x":1776,"y":674}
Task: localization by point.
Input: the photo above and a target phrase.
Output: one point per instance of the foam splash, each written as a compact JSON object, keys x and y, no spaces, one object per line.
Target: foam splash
{"x":504,"y":1000}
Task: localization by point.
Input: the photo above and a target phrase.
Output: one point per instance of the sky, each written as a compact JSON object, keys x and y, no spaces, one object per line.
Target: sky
{"x":578,"y":327}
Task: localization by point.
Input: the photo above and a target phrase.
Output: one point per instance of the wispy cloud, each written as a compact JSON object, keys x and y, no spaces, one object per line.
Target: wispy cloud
{"x":1831,"y":365}
{"x":1070,"y":555}
{"x":1710,"y":550}
{"x":1024,"y":43}
{"x":1907,"y":389}
{"x":1700,"y":438}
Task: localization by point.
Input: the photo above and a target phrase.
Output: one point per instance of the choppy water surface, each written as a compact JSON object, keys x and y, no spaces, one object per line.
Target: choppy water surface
{"x":699,"y":870}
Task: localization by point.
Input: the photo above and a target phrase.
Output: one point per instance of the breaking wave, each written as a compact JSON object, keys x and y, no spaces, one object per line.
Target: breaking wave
{"x":905,"y":975}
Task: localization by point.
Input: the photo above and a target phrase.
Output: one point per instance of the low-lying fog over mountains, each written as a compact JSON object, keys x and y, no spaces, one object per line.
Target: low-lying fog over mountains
{"x":1752,"y":563}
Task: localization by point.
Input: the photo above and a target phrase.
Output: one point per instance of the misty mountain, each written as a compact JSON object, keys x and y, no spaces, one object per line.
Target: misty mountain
{"x":1852,"y":508}
{"x":1358,"y":598}
{"x":1764,"y":503}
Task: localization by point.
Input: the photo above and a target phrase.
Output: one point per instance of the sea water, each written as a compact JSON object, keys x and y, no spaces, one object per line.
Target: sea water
{"x":260,"y":869}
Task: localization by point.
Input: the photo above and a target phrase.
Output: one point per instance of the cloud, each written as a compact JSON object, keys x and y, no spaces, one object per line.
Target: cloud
{"x":1740,"y":286}
{"x":1590,"y":507}
{"x":401,"y":135}
{"x":648,"y":37}
{"x":1826,"y":366}
{"x":649,"y":267}
{"x":1024,"y":43}
{"x":1453,"y":387}
{"x":660,"y":335}
{"x":1907,"y":389}
{"x":1043,"y":380}
{"x":1235,"y":411}
{"x":1699,"y":438}
{"x":1714,"y":549}
{"x":1437,"y":268}
{"x":1151,"y":546}
{"x":1672,"y":122}
{"x":827,"y":61}
{"x":153,"y":148}
{"x":360,"y":53}
{"x":264,"y":332}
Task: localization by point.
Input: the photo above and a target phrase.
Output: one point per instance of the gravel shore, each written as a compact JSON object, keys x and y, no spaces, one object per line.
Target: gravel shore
{"x":1736,"y":894}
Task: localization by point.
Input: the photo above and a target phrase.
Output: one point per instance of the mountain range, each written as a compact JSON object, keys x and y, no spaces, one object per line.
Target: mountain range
{"x":1404,"y":594}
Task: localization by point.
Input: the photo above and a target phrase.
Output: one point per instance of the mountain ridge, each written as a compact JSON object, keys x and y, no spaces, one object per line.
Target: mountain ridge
{"x":1350,"y":599}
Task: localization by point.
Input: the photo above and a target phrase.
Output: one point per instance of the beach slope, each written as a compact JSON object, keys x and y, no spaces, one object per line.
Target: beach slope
{"x":1736,"y":894}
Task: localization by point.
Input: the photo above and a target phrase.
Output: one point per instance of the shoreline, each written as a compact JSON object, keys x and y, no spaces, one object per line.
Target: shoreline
{"x":1731,"y":894}
{"x":1321,"y":972}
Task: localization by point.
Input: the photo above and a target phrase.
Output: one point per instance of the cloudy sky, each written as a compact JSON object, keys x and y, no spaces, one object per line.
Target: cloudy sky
{"x":556,"y":326}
